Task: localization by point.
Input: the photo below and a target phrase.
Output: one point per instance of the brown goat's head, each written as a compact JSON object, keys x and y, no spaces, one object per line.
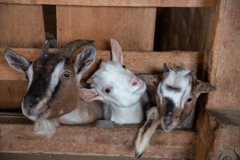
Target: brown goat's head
{"x":177,"y":91}
{"x":53,"y":79}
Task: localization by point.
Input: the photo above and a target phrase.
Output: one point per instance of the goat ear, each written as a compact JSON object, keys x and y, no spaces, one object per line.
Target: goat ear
{"x":16,"y":61}
{"x":89,"y":94}
{"x":165,"y":68}
{"x":148,"y":79}
{"x":204,"y":87}
{"x":85,"y":59}
{"x":117,"y":55}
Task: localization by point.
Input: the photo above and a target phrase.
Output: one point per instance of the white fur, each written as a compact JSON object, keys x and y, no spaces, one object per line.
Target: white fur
{"x":124,"y":102}
{"x":30,"y":75}
{"x":177,"y":80}
{"x":55,"y":78}
{"x":45,"y":127}
{"x":74,"y":117}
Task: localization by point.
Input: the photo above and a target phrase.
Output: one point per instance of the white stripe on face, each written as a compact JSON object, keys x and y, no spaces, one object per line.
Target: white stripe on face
{"x":30,"y":75}
{"x":58,"y":71}
{"x":176,"y":80}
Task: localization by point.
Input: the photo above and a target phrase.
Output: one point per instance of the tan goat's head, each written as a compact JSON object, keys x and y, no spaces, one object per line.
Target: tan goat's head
{"x":177,"y":91}
{"x":53,"y":79}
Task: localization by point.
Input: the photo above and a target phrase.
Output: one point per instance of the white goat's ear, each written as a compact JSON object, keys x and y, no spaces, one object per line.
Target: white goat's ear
{"x":117,"y":55}
{"x":148,"y":79}
{"x":204,"y":87}
{"x":16,"y":61}
{"x":89,"y":94}
{"x":85,"y":59}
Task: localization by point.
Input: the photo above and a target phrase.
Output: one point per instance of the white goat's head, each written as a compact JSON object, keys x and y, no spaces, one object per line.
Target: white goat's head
{"x":177,"y":93}
{"x":53,"y":79}
{"x":114,"y":83}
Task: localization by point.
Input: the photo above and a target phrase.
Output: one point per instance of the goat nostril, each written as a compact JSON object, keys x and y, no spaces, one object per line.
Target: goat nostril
{"x":134,"y":83}
{"x":167,"y":122}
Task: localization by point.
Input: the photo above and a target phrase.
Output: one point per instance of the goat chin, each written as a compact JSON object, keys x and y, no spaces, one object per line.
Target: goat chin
{"x":45,"y":127}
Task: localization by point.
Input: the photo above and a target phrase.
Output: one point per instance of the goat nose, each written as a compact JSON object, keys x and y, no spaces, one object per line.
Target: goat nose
{"x":167,"y":121}
{"x":29,"y":102}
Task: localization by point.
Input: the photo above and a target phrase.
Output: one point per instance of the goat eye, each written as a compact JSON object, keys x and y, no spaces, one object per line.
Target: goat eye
{"x":124,"y":66}
{"x":107,"y":90}
{"x":26,"y":76}
{"x":189,"y":100}
{"x":66,"y":75}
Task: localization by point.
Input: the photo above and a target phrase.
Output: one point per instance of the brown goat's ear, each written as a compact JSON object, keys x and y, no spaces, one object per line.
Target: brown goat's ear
{"x":204,"y":87}
{"x":148,"y":79}
{"x":117,"y":55}
{"x":16,"y":61}
{"x":89,"y":94}
{"x":85,"y":59}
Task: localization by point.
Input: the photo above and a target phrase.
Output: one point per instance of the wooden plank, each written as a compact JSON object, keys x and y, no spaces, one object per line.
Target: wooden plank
{"x":133,"y":28}
{"x":91,"y":140}
{"x":224,"y":65}
{"x":227,"y":140}
{"x":21,"y":25}
{"x":138,"y":62}
{"x":125,"y":3}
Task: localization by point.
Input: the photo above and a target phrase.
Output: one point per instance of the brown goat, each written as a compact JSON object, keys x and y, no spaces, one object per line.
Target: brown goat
{"x":176,"y":93}
{"x":53,"y":86}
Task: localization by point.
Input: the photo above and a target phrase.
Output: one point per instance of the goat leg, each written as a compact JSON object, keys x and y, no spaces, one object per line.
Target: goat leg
{"x":145,"y":133}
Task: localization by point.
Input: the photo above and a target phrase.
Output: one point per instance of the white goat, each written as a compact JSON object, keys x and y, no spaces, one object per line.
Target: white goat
{"x":53,"y":86}
{"x":176,"y":95}
{"x":119,"y":89}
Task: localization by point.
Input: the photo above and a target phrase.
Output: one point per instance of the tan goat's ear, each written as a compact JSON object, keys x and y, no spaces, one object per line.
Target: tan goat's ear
{"x":16,"y":61}
{"x":117,"y":55}
{"x":148,"y":79}
{"x":204,"y":87}
{"x":85,"y":59}
{"x":89,"y":94}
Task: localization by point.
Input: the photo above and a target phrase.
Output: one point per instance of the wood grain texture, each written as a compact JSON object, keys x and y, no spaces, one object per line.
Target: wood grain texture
{"x":123,"y":3}
{"x":133,"y":28}
{"x":184,"y":29}
{"x":138,"y":62}
{"x":227,"y":139}
{"x":91,"y":140}
{"x":21,"y":25}
{"x":224,"y":64}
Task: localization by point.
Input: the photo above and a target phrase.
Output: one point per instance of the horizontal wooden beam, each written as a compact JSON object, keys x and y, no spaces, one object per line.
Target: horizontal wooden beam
{"x":138,"y":62}
{"x":92,"y":140}
{"x":120,"y":3}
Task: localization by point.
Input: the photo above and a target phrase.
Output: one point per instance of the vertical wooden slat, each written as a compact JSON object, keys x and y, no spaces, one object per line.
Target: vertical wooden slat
{"x":21,"y":25}
{"x":225,"y":66}
{"x":133,"y":28}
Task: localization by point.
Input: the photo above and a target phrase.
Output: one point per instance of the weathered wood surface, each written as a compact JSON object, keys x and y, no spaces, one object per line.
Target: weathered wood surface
{"x":133,"y":28}
{"x":214,"y":137}
{"x":224,"y":64}
{"x":91,"y":140}
{"x":21,"y":25}
{"x":184,"y":29}
{"x":125,"y":3}
{"x":227,"y":139}
{"x":138,"y":62}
